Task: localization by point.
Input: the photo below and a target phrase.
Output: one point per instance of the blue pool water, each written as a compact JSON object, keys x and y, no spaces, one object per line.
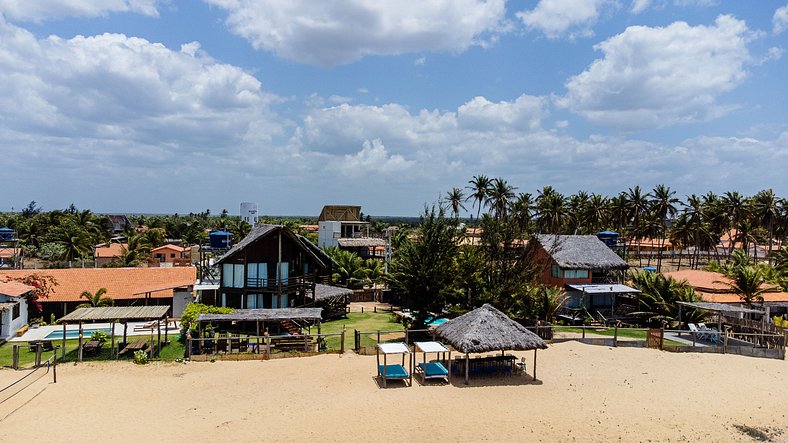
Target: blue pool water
{"x":436,"y":322}
{"x":54,"y":335}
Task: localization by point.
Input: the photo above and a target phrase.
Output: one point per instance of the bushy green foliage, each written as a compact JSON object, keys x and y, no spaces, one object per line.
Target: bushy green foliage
{"x":193,"y":310}
{"x":100,"y":336}
{"x":140,"y":357}
{"x":660,"y":296}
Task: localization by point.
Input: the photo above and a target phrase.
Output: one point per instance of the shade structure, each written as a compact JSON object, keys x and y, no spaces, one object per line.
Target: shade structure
{"x":399,"y":371}
{"x":487,"y":329}
{"x":433,"y":369}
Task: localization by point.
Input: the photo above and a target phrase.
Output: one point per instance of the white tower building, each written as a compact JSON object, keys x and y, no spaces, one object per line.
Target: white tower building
{"x":249,"y":213}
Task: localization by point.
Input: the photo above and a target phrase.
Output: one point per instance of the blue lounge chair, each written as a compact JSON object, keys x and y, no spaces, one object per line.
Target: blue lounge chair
{"x":432,"y":370}
{"x":393,"y":372}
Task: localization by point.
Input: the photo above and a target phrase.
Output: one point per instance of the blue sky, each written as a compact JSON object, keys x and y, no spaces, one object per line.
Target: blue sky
{"x":164,"y":106}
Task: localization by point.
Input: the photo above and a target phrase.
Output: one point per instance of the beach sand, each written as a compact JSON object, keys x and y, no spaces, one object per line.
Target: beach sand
{"x":584,"y":393}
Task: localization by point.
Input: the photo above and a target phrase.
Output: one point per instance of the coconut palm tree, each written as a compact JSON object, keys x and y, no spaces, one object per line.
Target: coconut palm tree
{"x":455,"y":198}
{"x":479,"y":185}
{"x":523,"y":211}
{"x":638,"y":205}
{"x":660,"y":296}
{"x":551,"y":211}
{"x":749,"y":283}
{"x":96,"y":300}
{"x":499,"y":195}
{"x":663,"y":204}
{"x":766,"y":208}
{"x":598,"y":212}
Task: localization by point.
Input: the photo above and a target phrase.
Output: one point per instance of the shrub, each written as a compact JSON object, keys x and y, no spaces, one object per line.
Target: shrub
{"x":141,"y":357}
{"x":100,"y":336}
{"x":193,"y":310}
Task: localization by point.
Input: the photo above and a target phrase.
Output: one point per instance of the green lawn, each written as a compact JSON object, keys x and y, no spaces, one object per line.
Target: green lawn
{"x":27,"y":358}
{"x":638,"y":334}
{"x":365,"y":322}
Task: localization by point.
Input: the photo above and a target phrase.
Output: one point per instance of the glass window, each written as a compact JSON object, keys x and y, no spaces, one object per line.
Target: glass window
{"x":227,"y":275}
{"x":251,"y":275}
{"x":16,"y":311}
{"x":576,"y":273}
{"x":238,"y":276}
{"x":556,"y":271}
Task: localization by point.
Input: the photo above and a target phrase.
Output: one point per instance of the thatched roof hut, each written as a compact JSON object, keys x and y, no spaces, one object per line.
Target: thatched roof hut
{"x":581,"y":252}
{"x":487,"y":329}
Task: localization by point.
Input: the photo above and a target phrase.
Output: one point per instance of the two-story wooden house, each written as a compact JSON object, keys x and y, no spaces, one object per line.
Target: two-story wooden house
{"x":589,"y":271}
{"x":273,"y":267}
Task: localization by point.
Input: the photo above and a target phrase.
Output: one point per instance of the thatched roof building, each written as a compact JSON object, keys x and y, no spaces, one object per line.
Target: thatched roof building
{"x":580,"y":252}
{"x":487,"y":329}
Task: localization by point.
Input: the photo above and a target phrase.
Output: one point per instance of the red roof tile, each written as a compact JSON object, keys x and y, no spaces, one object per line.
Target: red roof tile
{"x":121,"y":283}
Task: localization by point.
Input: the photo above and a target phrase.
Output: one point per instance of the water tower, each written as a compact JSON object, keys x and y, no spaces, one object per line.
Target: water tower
{"x":249,"y":213}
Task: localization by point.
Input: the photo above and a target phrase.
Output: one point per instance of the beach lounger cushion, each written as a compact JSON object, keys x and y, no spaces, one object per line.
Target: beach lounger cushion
{"x":434,"y":369}
{"x":393,"y":371}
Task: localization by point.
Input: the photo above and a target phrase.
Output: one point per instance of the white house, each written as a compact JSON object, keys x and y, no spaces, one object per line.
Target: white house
{"x":13,"y":307}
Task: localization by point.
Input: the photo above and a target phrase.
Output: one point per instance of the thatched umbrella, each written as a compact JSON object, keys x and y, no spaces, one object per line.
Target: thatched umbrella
{"x":487,"y":329}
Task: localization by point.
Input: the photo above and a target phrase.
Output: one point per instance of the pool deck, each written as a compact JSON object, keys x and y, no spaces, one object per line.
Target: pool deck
{"x":41,"y":332}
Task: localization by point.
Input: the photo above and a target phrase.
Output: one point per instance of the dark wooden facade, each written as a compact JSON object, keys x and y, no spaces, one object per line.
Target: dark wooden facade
{"x":259,"y":258}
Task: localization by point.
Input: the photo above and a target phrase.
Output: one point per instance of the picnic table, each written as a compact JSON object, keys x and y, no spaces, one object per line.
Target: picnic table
{"x":137,"y":345}
{"x":92,"y":347}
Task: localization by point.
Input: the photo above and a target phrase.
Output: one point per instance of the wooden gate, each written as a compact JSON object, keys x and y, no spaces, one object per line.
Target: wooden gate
{"x":654,"y":338}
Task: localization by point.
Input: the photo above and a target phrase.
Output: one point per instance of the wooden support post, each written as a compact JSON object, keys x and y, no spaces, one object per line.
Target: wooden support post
{"x":615,"y":337}
{"x":535,"y":364}
{"x":125,"y":330}
{"x":63,"y":350}
{"x":467,"y":367}
{"x":15,"y":357}
{"x":79,"y":349}
{"x":584,"y":330}
{"x":38,"y":354}
{"x":112,"y":339}
{"x":166,"y":329}
{"x":342,"y":342}
{"x":158,"y":339}
{"x":406,"y":337}
{"x":378,"y":337}
{"x":725,"y":342}
{"x":54,"y":365}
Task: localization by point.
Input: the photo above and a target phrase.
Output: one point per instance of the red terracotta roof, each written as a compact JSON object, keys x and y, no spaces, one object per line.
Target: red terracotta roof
{"x":700,"y":279}
{"x":111,"y":250}
{"x":170,"y":248}
{"x":121,"y":283}
{"x":13,"y":288}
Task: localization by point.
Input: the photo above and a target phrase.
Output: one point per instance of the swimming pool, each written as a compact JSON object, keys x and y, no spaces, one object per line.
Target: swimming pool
{"x":436,"y":322}
{"x":74,"y":333}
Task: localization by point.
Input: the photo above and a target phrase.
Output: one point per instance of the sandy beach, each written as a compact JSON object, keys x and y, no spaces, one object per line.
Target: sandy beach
{"x":584,"y":393}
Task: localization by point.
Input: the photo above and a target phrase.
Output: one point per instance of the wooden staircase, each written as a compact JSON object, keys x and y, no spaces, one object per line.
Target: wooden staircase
{"x":291,"y":328}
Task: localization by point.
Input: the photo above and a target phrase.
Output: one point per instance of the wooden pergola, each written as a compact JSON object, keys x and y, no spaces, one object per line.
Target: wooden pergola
{"x":114,"y":314}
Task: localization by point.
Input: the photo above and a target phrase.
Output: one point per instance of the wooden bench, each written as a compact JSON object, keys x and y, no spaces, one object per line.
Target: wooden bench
{"x":136,"y":345}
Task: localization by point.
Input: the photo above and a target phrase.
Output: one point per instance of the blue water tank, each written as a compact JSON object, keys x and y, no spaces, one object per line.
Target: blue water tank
{"x":220,"y":239}
{"x":7,"y":234}
{"x":609,"y":238}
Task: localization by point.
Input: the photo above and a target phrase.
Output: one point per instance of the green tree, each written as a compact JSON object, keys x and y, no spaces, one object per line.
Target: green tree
{"x":479,"y":186}
{"x":96,"y":299}
{"x":424,"y":269}
{"x":350,"y":269}
{"x":455,"y":198}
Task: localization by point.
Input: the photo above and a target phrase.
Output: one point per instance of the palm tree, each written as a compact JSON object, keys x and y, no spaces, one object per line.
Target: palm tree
{"x":551,"y":210}
{"x":749,"y":283}
{"x":455,"y":198}
{"x":638,"y":205}
{"x":499,"y":196}
{"x":664,"y":207}
{"x":350,"y":269}
{"x":660,"y":296}
{"x":479,"y":185}
{"x":522,"y":209}
{"x":598,"y":212}
{"x":767,"y":206}
{"x":577,"y":208}
{"x":736,"y":207}
{"x":96,"y":300}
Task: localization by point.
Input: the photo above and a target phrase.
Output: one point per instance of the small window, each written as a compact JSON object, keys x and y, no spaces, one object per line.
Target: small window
{"x":556,"y":271}
{"x":172,"y":255}
{"x":16,"y":311}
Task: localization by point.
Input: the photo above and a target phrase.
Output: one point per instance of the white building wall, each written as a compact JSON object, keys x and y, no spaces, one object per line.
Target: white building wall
{"x":249,"y":213}
{"x":327,"y":234}
{"x":9,"y":325}
{"x":180,"y":299}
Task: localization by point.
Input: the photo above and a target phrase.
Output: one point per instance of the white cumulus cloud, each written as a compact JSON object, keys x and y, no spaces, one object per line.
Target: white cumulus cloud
{"x":655,"y":77}
{"x":119,"y":100}
{"x":780,"y":20}
{"x":563,"y":18}
{"x":329,"y":33}
{"x":39,"y":10}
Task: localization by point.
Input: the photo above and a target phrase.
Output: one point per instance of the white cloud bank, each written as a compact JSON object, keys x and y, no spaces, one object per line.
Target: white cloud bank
{"x":655,"y":77}
{"x":115,"y":99}
{"x":563,"y":18}
{"x":39,"y":10}
{"x":337,"y":32}
{"x":780,"y":20}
